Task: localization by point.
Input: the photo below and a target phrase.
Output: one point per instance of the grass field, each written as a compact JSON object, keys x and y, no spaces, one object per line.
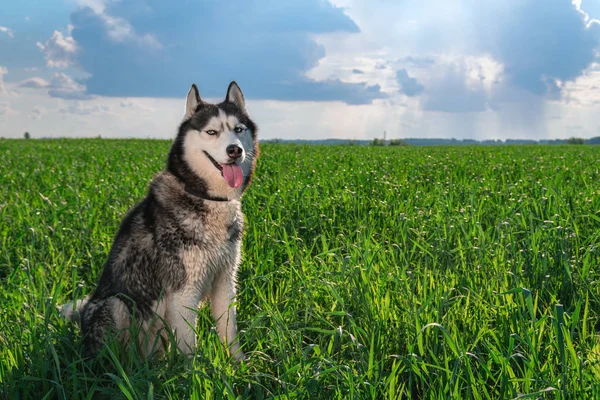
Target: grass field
{"x":368,"y":273}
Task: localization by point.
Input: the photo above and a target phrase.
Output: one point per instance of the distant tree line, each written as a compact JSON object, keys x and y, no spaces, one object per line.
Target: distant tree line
{"x":423,"y":141}
{"x":436,"y":142}
{"x":393,"y":142}
{"x":575,"y":140}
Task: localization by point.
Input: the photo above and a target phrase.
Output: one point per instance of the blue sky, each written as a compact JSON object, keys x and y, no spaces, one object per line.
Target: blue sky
{"x":308,"y":68}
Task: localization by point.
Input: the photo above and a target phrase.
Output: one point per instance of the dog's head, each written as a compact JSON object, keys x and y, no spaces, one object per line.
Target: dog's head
{"x":216,"y":148}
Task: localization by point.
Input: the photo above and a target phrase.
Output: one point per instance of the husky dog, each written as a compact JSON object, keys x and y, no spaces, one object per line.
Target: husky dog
{"x":181,"y":243}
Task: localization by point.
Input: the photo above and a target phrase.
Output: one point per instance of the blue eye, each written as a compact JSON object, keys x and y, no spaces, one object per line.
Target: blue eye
{"x":211,"y":132}
{"x":239,"y":129}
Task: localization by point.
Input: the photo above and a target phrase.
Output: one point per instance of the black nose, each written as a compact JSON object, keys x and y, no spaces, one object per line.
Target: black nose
{"x":234,"y":151}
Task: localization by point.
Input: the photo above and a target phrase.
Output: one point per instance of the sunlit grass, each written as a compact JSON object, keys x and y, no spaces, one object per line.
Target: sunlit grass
{"x":431,"y":272}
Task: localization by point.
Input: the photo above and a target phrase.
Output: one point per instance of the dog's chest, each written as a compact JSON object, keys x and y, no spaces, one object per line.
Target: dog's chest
{"x":216,"y":243}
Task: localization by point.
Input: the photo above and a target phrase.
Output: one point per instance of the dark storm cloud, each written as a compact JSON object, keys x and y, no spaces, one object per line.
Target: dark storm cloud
{"x":408,"y":85}
{"x":158,"y":49}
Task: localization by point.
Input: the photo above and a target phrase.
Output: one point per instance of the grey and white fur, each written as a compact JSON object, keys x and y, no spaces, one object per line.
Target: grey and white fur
{"x":181,"y":244}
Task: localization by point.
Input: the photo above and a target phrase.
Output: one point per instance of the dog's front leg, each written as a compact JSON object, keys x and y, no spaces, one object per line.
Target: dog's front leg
{"x":221,"y":298}
{"x":181,"y":317}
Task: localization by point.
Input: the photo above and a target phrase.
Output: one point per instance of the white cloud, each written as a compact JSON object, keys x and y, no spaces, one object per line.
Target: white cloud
{"x":81,"y":108}
{"x":450,"y":83}
{"x":7,"y":31}
{"x":527,"y":41}
{"x":59,"y":51}
{"x":97,"y":6}
{"x":103,"y":116}
{"x":585,"y":90}
{"x":477,"y":72}
{"x":34,"y":83}
{"x":585,"y":11}
{"x":125,"y":117}
{"x":61,"y":86}
{"x":451,"y":87}
{"x":6,"y":114}
{"x":65,"y":87}
{"x":3,"y":71}
{"x":348,"y":52}
{"x":4,"y":109}
{"x":134,"y":105}
{"x":36,"y":113}
{"x":119,"y":29}
{"x":483,"y":73}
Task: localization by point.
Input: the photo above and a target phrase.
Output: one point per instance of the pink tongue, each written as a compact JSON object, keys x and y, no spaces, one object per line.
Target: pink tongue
{"x":233,"y":174}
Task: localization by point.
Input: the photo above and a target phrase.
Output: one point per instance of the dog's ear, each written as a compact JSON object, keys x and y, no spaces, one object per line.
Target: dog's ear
{"x":235,"y":96}
{"x":193,"y":99}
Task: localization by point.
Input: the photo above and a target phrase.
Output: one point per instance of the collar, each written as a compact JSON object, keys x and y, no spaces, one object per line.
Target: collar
{"x":204,"y":196}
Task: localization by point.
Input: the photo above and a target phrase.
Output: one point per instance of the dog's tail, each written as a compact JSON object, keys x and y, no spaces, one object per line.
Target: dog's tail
{"x":72,"y":310}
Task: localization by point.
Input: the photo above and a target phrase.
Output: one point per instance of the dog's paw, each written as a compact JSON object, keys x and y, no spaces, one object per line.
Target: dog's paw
{"x":72,"y":310}
{"x":239,"y":357}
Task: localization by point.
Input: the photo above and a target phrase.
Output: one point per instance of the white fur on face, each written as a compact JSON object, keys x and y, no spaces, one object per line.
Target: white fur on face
{"x":197,"y":142}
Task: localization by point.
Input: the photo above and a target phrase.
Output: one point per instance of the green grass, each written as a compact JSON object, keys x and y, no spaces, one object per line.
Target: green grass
{"x":368,"y":273}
